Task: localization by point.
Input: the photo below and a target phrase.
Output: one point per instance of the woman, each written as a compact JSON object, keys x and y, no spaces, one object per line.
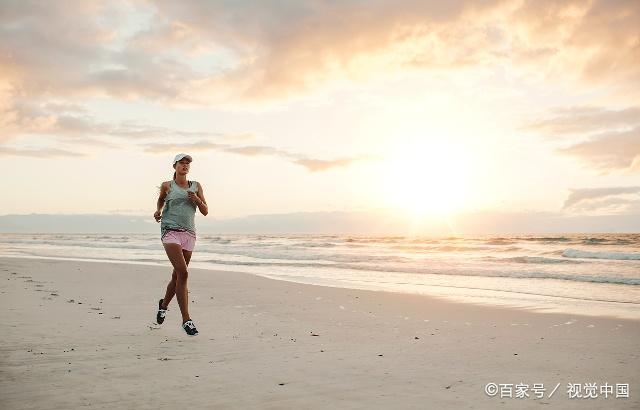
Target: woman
{"x":180,"y":198}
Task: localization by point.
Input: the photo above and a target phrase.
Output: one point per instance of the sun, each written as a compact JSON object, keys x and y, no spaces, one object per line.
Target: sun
{"x":427,"y":177}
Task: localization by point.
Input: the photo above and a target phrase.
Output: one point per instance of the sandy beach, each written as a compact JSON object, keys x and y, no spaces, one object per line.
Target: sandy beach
{"x":83,"y":334}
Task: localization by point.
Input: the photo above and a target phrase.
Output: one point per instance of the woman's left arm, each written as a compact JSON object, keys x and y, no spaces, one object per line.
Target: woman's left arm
{"x":202,"y":204}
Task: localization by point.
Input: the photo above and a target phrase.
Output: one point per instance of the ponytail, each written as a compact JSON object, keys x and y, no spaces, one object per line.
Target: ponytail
{"x":174,"y":176}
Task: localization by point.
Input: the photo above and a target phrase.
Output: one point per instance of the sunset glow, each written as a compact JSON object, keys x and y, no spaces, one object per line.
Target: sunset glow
{"x":427,"y":178}
{"x":425,"y":109}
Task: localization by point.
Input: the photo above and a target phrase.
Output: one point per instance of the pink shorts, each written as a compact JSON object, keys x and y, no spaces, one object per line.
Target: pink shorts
{"x":185,"y":239}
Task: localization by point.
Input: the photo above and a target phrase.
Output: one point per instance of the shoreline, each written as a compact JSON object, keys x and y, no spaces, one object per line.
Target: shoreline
{"x":83,"y":334}
{"x":472,"y":300}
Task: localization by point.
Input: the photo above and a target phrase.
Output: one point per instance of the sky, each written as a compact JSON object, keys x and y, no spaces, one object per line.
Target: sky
{"x":425,"y":109}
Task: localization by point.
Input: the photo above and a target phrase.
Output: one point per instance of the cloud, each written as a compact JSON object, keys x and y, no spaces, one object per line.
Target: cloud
{"x":283,"y":49}
{"x":225,"y":54}
{"x":47,"y":51}
{"x":604,"y":139}
{"x":286,"y":48}
{"x":53,"y":118}
{"x":312,"y":165}
{"x":252,"y":151}
{"x":315,"y":165}
{"x":73,"y":122}
{"x":51,"y":60}
{"x":614,"y":200}
{"x":597,"y":40}
{"x":581,"y":120}
{"x":38,"y":153}
{"x":218,"y":52}
{"x":197,"y":146}
{"x":608,"y":151}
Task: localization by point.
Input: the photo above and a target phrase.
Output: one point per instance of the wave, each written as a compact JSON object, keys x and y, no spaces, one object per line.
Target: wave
{"x":594,"y":241}
{"x":214,"y":239}
{"x":434,"y":271}
{"x":546,"y":239}
{"x":315,"y":244}
{"x":509,"y":249}
{"x":383,"y":239}
{"x":120,"y":244}
{"x":442,"y":248}
{"x":533,"y":259}
{"x":452,"y":248}
{"x":608,"y":241}
{"x":293,"y":254}
{"x":500,"y":242}
{"x":574,"y":253}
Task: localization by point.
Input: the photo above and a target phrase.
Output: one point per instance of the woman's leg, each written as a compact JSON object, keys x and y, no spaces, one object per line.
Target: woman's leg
{"x":171,"y":287}
{"x":179,"y":259}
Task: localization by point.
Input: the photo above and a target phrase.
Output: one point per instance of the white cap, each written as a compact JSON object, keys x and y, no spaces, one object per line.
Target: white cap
{"x":181,"y":156}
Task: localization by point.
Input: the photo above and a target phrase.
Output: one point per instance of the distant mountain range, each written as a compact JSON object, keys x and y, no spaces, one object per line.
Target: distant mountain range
{"x":356,"y":223}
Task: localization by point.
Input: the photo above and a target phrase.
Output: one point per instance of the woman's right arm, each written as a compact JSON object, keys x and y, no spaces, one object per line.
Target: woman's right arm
{"x":164,"y":188}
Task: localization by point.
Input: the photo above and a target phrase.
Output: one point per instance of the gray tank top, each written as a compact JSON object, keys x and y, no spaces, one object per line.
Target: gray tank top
{"x":178,"y":213}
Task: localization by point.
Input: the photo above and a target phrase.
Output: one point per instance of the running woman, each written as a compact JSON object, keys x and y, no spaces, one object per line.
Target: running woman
{"x":179,"y":198}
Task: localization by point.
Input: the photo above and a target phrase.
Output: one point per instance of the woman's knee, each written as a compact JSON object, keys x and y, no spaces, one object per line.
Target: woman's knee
{"x":181,"y":274}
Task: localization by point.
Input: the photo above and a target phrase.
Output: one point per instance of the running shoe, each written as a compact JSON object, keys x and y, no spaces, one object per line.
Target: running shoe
{"x":161,"y":313}
{"x":190,"y":328}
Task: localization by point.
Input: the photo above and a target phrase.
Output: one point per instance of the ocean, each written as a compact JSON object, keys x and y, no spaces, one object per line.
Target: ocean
{"x":594,"y":274}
